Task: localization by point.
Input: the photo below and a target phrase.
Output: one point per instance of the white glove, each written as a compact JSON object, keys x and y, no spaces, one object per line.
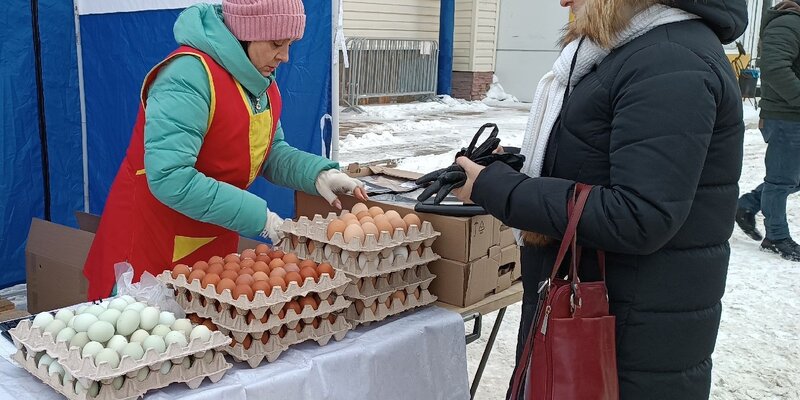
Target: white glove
{"x":272,"y":228}
{"x":332,"y":182}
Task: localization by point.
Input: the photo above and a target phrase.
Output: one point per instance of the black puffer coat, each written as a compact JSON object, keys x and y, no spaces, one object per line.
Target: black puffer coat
{"x":658,"y":128}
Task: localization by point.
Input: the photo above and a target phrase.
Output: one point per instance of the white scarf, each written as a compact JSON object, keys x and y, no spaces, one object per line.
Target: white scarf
{"x":549,"y":97}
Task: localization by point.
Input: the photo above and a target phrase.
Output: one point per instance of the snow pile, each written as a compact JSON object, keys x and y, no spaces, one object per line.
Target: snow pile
{"x":445,"y":105}
{"x":497,"y":93}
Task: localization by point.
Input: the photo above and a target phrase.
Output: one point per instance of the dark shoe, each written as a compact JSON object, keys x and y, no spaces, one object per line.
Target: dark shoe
{"x":787,"y":248}
{"x":747,"y":222}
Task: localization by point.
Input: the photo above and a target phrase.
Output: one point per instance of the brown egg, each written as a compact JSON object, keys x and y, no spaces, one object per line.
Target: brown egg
{"x":400,"y":295}
{"x":417,"y":293}
{"x":299,"y":327}
{"x":229,"y":274}
{"x":315,"y":323}
{"x":359,"y":207}
{"x":348,"y":218}
{"x":353,"y":232}
{"x":421,"y":250}
{"x":263,"y":258}
{"x":200,"y":265}
{"x":265,"y":338}
{"x":279,"y":272}
{"x":180,"y":269}
{"x":293,"y":277}
{"x":282,"y":313}
{"x":277,"y":281}
{"x":245,"y":279}
{"x":265,"y":318}
{"x":291,"y":267}
{"x":293,"y":305}
{"x":232,"y":258}
{"x":388,"y":302}
{"x":392,"y":214}
{"x":308,"y":301}
{"x":215,"y":269}
{"x":232,"y":266}
{"x":311,"y":247}
{"x":369,"y":229}
{"x":262,"y":249}
{"x":216,"y":260}
{"x":243,"y":290}
{"x":210,"y":279}
{"x":291,"y":258}
{"x":374,"y":211}
{"x":364,"y":220}
{"x":276,"y":254}
{"x":359,"y":306}
{"x":196,"y":275}
{"x":246,"y":271}
{"x":362,"y":215}
{"x":248,"y":263}
{"x":249,"y":253}
{"x":374,"y":307}
{"x":332,"y":318}
{"x":261,"y":266}
{"x":307,"y":263}
{"x":326,"y":268}
{"x":282,"y":333}
{"x":383,"y":224}
{"x":412,"y":219}
{"x":225,"y":284}
{"x":210,"y":325}
{"x":250,"y":317}
{"x":233,"y":342}
{"x":331,"y":299}
{"x":276,"y":263}
{"x":196,"y":319}
{"x":295,"y":241}
{"x":336,"y":226}
{"x":398,"y":223}
{"x":309,"y":272}
{"x":262,"y":286}
{"x":247,"y":342}
{"x":232,"y":310}
{"x":260,"y":276}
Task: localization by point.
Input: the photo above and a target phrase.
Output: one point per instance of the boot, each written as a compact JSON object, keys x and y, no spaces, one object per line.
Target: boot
{"x":787,"y":248}
{"x":747,"y":222}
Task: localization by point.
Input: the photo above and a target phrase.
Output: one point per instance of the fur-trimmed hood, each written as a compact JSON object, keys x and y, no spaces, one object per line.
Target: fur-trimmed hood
{"x":602,"y":20}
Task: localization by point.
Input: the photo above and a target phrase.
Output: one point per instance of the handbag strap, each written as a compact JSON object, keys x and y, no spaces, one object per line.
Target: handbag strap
{"x":572,"y":226}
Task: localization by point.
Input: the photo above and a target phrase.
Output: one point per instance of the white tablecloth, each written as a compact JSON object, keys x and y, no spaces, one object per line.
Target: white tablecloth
{"x":419,"y":356}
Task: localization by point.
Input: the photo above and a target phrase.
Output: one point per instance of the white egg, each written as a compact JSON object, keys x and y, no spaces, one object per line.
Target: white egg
{"x":105,"y":304}
{"x":128,"y":322}
{"x":142,"y":374}
{"x":95,"y":310}
{"x":42,"y":319}
{"x":133,"y":350}
{"x":149,"y":318}
{"x":154,"y":342}
{"x":139,"y":336}
{"x":65,"y":315}
{"x":186,"y":363}
{"x":108,"y":356}
{"x":208,"y":357}
{"x":55,"y":326}
{"x":101,"y":331}
{"x":176,"y":337}
{"x":118,"y":304}
{"x":166,"y":318}
{"x":117,"y":343}
{"x":92,"y":390}
{"x":202,"y":332}
{"x":55,"y":369}
{"x":91,"y":349}
{"x":161,"y":330}
{"x":83,"y":322}
{"x":128,"y":299}
{"x":118,"y":382}
{"x":44,"y":361}
{"x":80,"y":310}
{"x":71,"y":322}
{"x":65,"y":335}
{"x":68,"y":379}
{"x":165,"y":367}
{"x":183,"y":325}
{"x":138,"y":306}
{"x":111,"y":316}
{"x":79,"y":340}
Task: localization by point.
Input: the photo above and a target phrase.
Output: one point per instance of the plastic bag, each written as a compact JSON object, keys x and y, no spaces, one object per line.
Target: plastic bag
{"x":149,"y":289}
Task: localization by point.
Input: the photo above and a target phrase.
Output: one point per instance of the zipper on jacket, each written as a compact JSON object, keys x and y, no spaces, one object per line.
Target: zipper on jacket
{"x":544,"y":321}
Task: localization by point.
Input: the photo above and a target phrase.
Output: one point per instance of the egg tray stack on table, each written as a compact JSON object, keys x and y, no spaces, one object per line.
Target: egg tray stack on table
{"x":119,"y":349}
{"x":385,"y":256}
{"x":264,"y":308}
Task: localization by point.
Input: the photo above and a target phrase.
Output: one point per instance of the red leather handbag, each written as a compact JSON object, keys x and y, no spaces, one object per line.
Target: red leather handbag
{"x":570,"y":352}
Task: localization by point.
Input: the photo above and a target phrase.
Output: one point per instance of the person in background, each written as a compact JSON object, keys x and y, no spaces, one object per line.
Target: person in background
{"x":780,"y":115}
{"x":208,"y":127}
{"x":642,"y":104}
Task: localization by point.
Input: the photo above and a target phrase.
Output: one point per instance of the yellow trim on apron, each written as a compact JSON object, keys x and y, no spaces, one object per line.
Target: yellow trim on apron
{"x":260,"y":135}
{"x":185,"y":246}
{"x":213,"y":106}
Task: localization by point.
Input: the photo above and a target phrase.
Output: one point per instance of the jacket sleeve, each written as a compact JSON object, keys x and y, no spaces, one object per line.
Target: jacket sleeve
{"x":780,"y":49}
{"x":293,"y":168}
{"x":176,"y":120}
{"x":663,"y":116}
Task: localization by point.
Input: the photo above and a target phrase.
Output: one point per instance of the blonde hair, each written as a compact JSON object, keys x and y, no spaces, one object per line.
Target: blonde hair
{"x":602,"y":20}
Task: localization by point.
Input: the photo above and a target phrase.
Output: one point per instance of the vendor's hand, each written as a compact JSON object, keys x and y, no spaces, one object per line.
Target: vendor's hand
{"x":499,"y":150}
{"x":472,"y":170}
{"x":272,"y":229}
{"x":332,"y":182}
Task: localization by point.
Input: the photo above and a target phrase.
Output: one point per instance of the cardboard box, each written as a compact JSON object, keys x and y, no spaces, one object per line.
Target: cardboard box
{"x":509,"y":255}
{"x":510,"y":267}
{"x":463,"y":284}
{"x":506,"y":236}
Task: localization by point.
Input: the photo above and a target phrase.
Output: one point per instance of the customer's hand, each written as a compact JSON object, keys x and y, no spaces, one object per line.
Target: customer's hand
{"x":332,"y":182}
{"x":472,"y":170}
{"x":272,"y":229}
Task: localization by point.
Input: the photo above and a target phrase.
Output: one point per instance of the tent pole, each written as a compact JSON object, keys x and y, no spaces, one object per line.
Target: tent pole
{"x":37,"y":49}
{"x":335,"y":4}
{"x":82,"y":93}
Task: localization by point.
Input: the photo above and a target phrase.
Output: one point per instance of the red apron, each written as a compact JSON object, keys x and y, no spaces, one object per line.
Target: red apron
{"x":141,"y":230}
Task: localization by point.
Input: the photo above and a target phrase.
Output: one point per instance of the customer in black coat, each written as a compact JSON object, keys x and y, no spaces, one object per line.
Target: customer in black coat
{"x":657,"y":127}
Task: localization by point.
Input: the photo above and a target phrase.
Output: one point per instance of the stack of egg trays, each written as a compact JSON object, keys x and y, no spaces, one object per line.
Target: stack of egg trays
{"x":230,"y":315}
{"x":32,"y":342}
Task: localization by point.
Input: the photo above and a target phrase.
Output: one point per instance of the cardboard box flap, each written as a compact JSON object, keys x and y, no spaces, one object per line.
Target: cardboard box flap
{"x":58,"y":242}
{"x":87,"y":222}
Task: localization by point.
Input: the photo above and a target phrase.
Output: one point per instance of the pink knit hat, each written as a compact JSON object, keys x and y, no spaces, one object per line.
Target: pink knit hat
{"x":259,"y":20}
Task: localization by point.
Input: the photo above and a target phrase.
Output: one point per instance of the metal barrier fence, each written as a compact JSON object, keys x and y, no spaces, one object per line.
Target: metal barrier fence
{"x":389,"y":68}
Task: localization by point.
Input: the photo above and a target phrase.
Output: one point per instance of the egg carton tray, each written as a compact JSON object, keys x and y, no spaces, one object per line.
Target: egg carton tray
{"x":34,"y":339}
{"x":368,"y":316}
{"x":131,"y":388}
{"x":261,"y":302}
{"x":275,"y":346}
{"x":238,"y":322}
{"x":363,"y":264}
{"x":381,"y":287}
{"x":316,"y":229}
